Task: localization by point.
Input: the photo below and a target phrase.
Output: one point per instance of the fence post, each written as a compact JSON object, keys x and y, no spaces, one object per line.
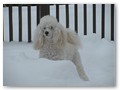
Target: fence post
{"x":85,"y":19}
{"x":45,"y":10}
{"x":38,"y":14}
{"x":20,"y":22}
{"x":76,"y":18}
{"x":103,"y":21}
{"x":10,"y":23}
{"x":57,"y":12}
{"x":3,"y":28}
{"x":112,"y":22}
{"x":29,"y":23}
{"x":67,"y":16}
{"x":94,"y":18}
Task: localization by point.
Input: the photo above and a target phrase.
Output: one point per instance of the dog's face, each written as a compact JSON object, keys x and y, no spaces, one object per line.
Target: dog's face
{"x":48,"y":26}
{"x":48,"y":30}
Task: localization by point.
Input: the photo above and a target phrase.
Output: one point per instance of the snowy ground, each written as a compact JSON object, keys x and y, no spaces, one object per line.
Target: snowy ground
{"x":22,"y":67}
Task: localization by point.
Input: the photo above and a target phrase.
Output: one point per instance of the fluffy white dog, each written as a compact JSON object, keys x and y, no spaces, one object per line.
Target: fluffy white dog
{"x":57,"y":43}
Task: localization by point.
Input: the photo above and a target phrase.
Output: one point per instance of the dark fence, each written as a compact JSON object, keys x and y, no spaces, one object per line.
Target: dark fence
{"x":44,"y":9}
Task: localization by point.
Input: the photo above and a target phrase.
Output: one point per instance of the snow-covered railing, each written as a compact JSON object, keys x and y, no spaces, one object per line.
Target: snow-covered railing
{"x":44,"y":9}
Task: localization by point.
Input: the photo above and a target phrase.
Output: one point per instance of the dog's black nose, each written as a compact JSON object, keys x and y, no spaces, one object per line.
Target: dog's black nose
{"x":46,"y":32}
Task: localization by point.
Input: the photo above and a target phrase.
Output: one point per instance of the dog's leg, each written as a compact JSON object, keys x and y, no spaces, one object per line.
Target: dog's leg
{"x":79,"y":67}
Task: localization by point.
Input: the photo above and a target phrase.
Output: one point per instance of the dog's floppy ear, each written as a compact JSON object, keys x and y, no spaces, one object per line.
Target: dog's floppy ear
{"x":59,"y":36}
{"x":73,"y":38}
{"x":38,"y":38}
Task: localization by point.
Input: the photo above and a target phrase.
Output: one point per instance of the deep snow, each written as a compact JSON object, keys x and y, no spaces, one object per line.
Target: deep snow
{"x":23,"y":67}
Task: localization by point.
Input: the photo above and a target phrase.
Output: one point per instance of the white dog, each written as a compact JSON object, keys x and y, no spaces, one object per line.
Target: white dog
{"x":57,"y":43}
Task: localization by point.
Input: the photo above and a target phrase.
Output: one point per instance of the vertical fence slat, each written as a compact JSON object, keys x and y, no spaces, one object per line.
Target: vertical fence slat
{"x":45,"y":9}
{"x":57,"y":12}
{"x":85,"y":19}
{"x":76,"y":18}
{"x":94,"y":18}
{"x":20,"y":22}
{"x":3,"y":28}
{"x":10,"y":23}
{"x":103,"y":21}
{"x":67,"y":16}
{"x":29,"y":23}
{"x":112,"y":22}
{"x":38,"y":14}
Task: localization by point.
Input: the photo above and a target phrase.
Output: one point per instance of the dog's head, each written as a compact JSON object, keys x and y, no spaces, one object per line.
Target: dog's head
{"x":49,"y":29}
{"x":47,"y":26}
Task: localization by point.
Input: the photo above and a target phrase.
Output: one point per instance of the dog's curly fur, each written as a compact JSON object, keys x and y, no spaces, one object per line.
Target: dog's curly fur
{"x":57,"y":43}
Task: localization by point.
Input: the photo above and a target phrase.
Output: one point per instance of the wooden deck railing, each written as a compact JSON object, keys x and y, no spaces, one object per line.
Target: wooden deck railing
{"x":44,"y":9}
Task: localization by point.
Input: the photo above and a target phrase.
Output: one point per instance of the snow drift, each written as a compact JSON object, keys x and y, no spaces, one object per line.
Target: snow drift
{"x":23,"y":67}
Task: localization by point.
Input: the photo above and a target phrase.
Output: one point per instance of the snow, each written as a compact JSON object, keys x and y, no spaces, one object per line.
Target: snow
{"x":23,"y":67}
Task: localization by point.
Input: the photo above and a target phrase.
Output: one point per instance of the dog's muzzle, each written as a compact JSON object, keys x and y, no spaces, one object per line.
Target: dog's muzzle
{"x":46,"y":33}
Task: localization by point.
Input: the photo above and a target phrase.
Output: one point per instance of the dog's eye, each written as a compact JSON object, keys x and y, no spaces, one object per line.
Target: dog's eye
{"x":44,"y":28}
{"x":51,"y":27}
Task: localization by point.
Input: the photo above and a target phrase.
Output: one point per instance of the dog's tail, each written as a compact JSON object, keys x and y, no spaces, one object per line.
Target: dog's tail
{"x":73,"y":38}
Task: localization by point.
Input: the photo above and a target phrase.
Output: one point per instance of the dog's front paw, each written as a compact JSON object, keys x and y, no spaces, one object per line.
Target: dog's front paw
{"x":57,"y":58}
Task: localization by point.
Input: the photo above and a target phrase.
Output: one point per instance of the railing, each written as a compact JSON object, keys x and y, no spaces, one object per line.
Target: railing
{"x":44,"y":9}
